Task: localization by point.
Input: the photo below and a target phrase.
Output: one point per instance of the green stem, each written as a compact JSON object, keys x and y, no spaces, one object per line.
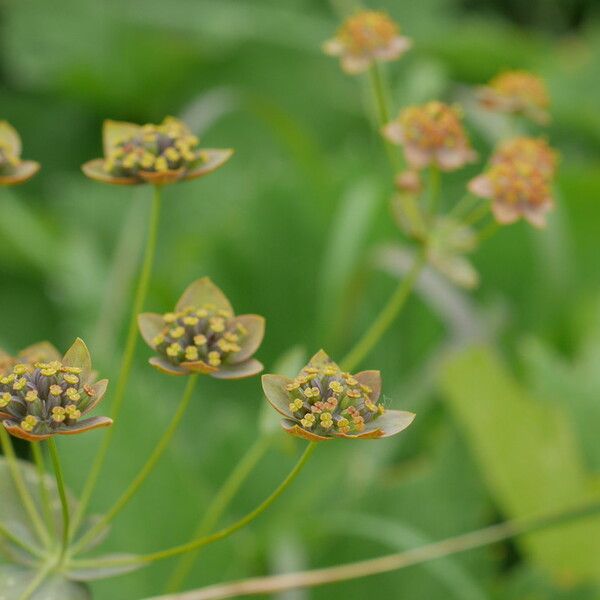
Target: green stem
{"x":28,"y":503}
{"x":145,"y":471}
{"x":219,"y":505}
{"x":392,"y":562}
{"x":18,"y":541}
{"x":476,"y":214}
{"x":385,"y":318}
{"x":410,"y":207}
{"x":209,"y":539}
{"x":60,"y":483}
{"x":434,"y":190}
{"x":488,"y":231}
{"x":464,"y":204}
{"x":37,"y":581}
{"x":38,"y":458}
{"x":128,"y":356}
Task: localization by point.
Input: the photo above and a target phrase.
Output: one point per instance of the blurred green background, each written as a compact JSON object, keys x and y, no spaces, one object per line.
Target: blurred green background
{"x":297,"y":228}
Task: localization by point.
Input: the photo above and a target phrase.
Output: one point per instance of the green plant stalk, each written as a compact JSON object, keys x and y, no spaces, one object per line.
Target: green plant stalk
{"x":488,"y":231}
{"x":385,"y":318}
{"x":219,"y":505}
{"x":38,"y":459}
{"x":391,"y":562}
{"x":37,"y":581}
{"x":28,"y":503}
{"x":127,"y":362}
{"x":380,"y":95}
{"x":209,"y":539}
{"x":434,"y":190}
{"x":11,"y":537}
{"x":146,"y":470}
{"x":476,"y":214}
{"x":62,"y":492}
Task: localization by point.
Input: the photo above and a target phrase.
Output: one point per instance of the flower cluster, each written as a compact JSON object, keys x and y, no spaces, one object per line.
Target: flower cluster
{"x":432,"y":134}
{"x":13,"y":170}
{"x":157,"y":154}
{"x":43,"y":399}
{"x":203,"y":335}
{"x":324,"y":402}
{"x":517,"y":92}
{"x":364,"y":38}
{"x":519,"y":181}
{"x":40,"y":352}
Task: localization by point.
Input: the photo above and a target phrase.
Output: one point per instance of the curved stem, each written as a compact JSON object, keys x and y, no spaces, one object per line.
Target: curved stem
{"x":36,"y":581}
{"x":128,"y":356}
{"x":28,"y":503}
{"x":209,"y":539}
{"x":219,"y":505}
{"x":385,"y":318}
{"x":18,"y":541}
{"x":488,"y":231}
{"x":38,"y":458}
{"x":390,"y":562}
{"x":60,"y":483}
{"x":145,"y":471}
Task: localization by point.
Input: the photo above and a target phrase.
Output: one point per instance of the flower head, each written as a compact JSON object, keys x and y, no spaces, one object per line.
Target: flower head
{"x":43,"y":399}
{"x":323,"y":403}
{"x":364,"y":38}
{"x":157,"y":154}
{"x":517,"y":92}
{"x":517,"y":189}
{"x":13,"y":170}
{"x":40,"y":352}
{"x":533,"y":151}
{"x":431,"y":134}
{"x":203,"y":335}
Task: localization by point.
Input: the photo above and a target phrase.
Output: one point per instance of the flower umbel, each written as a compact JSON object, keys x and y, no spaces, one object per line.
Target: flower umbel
{"x":43,"y":399}
{"x":40,"y":352}
{"x":203,"y":335}
{"x":157,"y":154}
{"x":13,"y":170}
{"x":432,"y":134}
{"x":533,"y":151}
{"x":323,"y":403}
{"x":517,"y":92}
{"x":364,"y":38}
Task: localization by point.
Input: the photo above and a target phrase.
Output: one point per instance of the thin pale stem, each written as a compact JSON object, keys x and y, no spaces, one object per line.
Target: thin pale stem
{"x":434,"y":190}
{"x":488,"y":231}
{"x":380,"y":95}
{"x":391,"y":562}
{"x":209,"y":539}
{"x":146,"y":470}
{"x":385,"y":318}
{"x":37,"y":581}
{"x":26,"y":498}
{"x":38,"y":459}
{"x":18,"y":541}
{"x":476,"y":214}
{"x":62,"y":493}
{"x":128,"y":356}
{"x":219,"y":505}
{"x":464,"y":205}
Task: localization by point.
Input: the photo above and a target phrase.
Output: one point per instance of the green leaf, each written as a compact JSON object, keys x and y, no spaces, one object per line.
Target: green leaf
{"x":529,"y":457}
{"x":14,"y":581}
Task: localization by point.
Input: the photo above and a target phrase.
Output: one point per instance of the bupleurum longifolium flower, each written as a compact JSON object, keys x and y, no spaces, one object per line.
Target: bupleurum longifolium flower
{"x":519,"y":181}
{"x":13,"y":170}
{"x":156,"y":154}
{"x":41,"y":399}
{"x":517,"y":92}
{"x":431,"y":134}
{"x":323,"y":402}
{"x":364,"y":38}
{"x":203,"y":335}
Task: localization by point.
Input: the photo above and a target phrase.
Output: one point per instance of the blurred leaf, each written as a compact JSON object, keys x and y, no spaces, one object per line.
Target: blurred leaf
{"x":402,"y":536}
{"x":529,"y":458}
{"x":14,"y":581}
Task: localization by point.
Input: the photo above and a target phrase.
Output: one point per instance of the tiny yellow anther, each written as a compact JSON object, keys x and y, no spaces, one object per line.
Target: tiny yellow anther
{"x":29,"y":422}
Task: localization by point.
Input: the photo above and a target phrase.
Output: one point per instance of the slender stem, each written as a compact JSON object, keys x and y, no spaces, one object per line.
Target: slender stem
{"x":38,"y":458}
{"x":434,"y":190}
{"x":464,"y":204}
{"x":28,"y":503}
{"x":476,"y":214}
{"x":18,"y":541}
{"x":60,"y":483}
{"x":37,"y":581}
{"x":219,"y":505}
{"x":385,"y":318}
{"x":409,"y":204}
{"x":128,"y":356}
{"x":390,"y":562}
{"x":488,"y":231}
{"x":209,"y":539}
{"x":145,"y":471}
